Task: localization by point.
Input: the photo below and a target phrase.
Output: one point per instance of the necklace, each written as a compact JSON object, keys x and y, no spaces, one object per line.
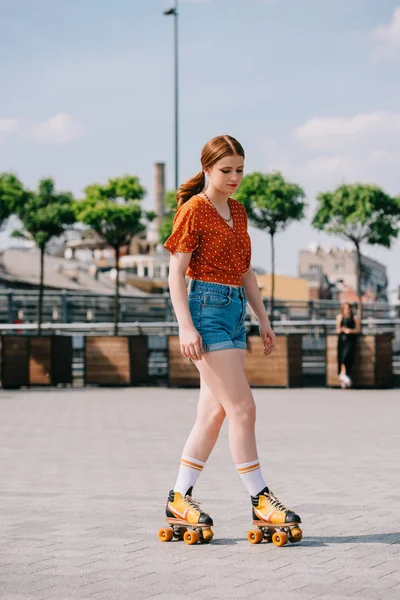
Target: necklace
{"x":211,"y":202}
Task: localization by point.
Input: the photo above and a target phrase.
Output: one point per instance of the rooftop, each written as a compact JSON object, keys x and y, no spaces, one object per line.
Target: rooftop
{"x":21,"y":267}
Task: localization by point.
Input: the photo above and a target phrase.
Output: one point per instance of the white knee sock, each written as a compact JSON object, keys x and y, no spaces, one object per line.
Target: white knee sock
{"x":189,"y":473}
{"x":252,"y":477}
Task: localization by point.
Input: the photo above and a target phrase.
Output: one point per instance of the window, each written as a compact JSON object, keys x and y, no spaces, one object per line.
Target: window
{"x":315,"y":268}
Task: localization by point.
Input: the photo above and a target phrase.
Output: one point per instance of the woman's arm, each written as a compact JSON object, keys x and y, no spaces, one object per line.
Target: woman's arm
{"x":250,"y":284}
{"x":339,"y":328}
{"x":190,"y":339}
{"x":253,"y":295}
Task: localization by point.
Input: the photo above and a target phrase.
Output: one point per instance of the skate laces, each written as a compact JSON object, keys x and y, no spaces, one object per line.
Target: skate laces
{"x":192,"y":502}
{"x":275,"y":502}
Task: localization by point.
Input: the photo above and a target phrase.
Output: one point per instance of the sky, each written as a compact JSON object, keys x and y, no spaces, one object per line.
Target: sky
{"x":309,"y":87}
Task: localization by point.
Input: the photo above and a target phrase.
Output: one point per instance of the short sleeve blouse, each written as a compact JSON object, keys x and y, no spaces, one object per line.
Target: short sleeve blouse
{"x":220,"y":253}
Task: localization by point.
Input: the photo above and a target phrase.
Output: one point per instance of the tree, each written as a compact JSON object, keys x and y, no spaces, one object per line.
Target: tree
{"x":359,"y":213}
{"x":114,"y":212}
{"x":12,"y":196}
{"x":44,"y":214}
{"x":271,"y":204}
{"x":166,"y":224}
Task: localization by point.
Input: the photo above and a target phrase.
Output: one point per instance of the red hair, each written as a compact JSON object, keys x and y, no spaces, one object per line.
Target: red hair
{"x":350,"y":307}
{"x":213,"y":151}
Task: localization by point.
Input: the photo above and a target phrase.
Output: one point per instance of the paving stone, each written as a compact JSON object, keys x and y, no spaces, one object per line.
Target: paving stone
{"x":85,"y":475}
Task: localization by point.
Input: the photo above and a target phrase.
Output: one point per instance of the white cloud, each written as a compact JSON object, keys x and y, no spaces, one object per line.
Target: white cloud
{"x":8,"y":125}
{"x":60,"y":129}
{"x":388,"y":36}
{"x":379,"y":127}
{"x":326,"y":151}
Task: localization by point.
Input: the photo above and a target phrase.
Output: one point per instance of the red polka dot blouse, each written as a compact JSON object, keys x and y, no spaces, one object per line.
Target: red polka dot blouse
{"x":221,"y":254}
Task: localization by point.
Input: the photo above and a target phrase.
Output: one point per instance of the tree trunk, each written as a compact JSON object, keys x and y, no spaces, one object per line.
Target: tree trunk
{"x":41,"y":290}
{"x":116,"y":300}
{"x":272,"y":278}
{"x":359,"y":292}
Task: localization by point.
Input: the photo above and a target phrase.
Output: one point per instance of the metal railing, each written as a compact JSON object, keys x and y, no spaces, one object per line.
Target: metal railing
{"x":69,"y":307}
{"x":136,"y":327}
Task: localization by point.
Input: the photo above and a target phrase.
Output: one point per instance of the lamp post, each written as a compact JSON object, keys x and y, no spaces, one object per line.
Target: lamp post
{"x":174,"y":11}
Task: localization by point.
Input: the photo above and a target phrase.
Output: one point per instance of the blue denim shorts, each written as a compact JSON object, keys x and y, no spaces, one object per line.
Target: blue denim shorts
{"x":218,"y":313}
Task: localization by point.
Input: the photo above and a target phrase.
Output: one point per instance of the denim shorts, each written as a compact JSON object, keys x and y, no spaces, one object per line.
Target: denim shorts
{"x":218,"y":313}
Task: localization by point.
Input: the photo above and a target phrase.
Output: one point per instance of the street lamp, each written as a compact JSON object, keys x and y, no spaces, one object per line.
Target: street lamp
{"x":174,"y":11}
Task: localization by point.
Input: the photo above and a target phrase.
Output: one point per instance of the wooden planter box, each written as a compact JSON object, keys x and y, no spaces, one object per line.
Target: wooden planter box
{"x":373,"y":361}
{"x":116,"y":360}
{"x":14,"y":361}
{"x":282,"y":369}
{"x":31,"y":360}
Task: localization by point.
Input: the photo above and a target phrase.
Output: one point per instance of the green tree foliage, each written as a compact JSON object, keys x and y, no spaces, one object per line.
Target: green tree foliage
{"x":114,"y":212}
{"x":359,"y":213}
{"x":12,"y":196}
{"x":166,"y":224}
{"x":271,"y":203}
{"x":44,"y":214}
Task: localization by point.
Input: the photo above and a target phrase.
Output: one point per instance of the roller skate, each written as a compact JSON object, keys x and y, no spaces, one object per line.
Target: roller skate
{"x":345,"y":381}
{"x":186,"y":519}
{"x":274,"y":521}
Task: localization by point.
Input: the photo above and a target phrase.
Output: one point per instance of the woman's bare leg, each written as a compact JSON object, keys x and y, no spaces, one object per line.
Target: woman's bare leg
{"x":210,"y":417}
{"x":222,"y":371}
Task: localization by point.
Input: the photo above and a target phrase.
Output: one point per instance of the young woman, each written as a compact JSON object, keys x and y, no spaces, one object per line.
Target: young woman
{"x":347,"y":327}
{"x":211,"y":245}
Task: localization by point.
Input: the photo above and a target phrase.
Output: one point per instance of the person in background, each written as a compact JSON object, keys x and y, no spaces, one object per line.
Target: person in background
{"x":347,"y":327}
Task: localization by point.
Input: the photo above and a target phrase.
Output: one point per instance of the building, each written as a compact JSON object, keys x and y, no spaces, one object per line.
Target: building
{"x":338,"y":268}
{"x":20,"y":269}
{"x":286,"y":288}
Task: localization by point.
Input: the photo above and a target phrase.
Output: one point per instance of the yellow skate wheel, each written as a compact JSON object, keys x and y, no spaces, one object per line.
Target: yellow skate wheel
{"x":191,"y":537}
{"x":166,"y":534}
{"x":295,"y":535}
{"x":280,"y":538}
{"x":255,"y":536}
{"x":207,"y":535}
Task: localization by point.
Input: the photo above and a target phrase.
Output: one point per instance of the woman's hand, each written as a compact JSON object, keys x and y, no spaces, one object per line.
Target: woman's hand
{"x":191,"y":342}
{"x":267,"y":336}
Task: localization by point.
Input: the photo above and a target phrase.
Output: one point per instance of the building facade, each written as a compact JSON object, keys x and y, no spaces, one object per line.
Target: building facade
{"x":339,"y":267}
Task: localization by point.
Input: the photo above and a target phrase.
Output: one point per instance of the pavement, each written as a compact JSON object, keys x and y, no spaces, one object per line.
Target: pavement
{"x":84,"y":477}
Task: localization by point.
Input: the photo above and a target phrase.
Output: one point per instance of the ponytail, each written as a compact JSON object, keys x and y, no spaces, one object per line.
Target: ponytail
{"x":190,"y":188}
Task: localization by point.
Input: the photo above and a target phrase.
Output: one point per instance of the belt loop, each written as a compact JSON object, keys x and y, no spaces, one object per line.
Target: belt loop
{"x":192,"y":284}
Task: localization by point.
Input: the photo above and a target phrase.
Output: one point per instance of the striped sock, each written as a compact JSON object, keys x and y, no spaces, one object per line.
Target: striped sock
{"x":188,"y":474}
{"x":252,"y":477}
